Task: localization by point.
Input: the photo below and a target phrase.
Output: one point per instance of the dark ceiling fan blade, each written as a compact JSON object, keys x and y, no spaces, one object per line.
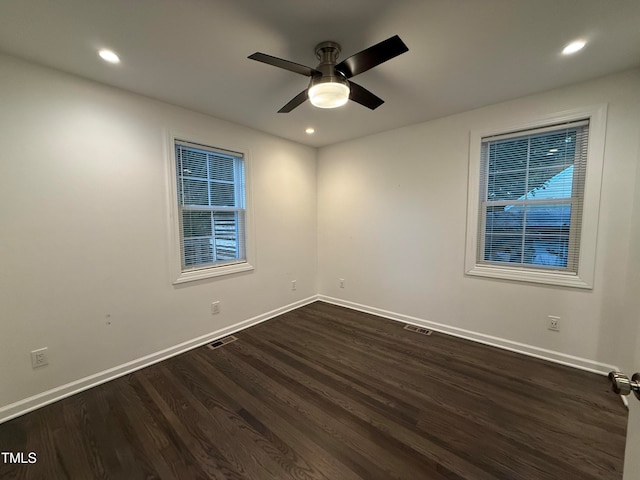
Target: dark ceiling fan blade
{"x":363,"y":96}
{"x":286,"y":64}
{"x":295,"y":102}
{"x":372,"y":57}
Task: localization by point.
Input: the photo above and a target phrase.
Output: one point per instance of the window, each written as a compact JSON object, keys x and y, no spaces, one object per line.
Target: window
{"x":533,"y":218}
{"x":210,"y":210}
{"x":531,"y":190}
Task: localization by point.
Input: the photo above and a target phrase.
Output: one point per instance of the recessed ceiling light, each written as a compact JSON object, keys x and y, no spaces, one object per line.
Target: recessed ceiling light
{"x":310,"y":130}
{"x":574,"y":47}
{"x":109,"y":56}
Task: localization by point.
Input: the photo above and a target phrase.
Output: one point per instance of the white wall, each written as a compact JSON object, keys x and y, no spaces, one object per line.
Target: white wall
{"x":392,"y":216}
{"x":84,"y":231}
{"x":84,"y":223}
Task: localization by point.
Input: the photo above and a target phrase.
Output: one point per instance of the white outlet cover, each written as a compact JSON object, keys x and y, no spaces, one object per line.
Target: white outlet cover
{"x":39,"y":358}
{"x":215,"y":308}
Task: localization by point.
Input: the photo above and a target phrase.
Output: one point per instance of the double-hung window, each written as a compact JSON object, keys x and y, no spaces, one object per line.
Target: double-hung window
{"x":531,"y":192}
{"x":529,"y":204}
{"x":211,"y":211}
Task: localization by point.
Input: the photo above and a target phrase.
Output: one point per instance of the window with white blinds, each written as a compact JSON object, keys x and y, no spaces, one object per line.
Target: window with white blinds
{"x":531,"y":197}
{"x":211,"y":206}
{"x":534,"y":197}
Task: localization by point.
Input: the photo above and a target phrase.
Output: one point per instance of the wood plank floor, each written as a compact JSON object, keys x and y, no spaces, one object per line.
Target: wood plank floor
{"x":328,"y":393}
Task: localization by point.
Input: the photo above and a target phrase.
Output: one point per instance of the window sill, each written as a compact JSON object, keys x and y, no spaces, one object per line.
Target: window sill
{"x":533,"y":276}
{"x":210,"y":272}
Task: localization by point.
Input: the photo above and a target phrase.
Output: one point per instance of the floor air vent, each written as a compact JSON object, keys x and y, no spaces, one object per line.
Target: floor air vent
{"x":221,"y":342}
{"x":415,"y":328}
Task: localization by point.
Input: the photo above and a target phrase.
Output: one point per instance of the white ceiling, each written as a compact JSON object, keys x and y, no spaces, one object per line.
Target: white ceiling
{"x":463,"y":54}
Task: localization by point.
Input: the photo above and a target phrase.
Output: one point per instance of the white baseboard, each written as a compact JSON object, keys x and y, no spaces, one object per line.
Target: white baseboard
{"x":26,"y":405}
{"x":530,"y":350}
{"x":29,"y":404}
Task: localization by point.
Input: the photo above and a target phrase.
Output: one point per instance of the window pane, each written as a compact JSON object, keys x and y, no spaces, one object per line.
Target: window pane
{"x":504,"y":232}
{"x":196,"y":224}
{"x":197,"y":251}
{"x":507,"y":186}
{"x":226,"y":235}
{"x":507,"y":169}
{"x":221,"y":168}
{"x":193,"y":163}
{"x":547,"y":234}
{"x":195,"y":192}
{"x":503,"y":248}
{"x":507,"y":155}
{"x":551,"y":251}
{"x":223,"y":194}
{"x":548,"y":218}
{"x":557,"y":148}
{"x":508,"y":219}
{"x":554,"y":182}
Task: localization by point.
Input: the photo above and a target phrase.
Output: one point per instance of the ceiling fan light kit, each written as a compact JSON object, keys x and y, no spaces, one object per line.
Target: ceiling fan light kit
{"x":329,"y":86}
{"x":329,"y":94}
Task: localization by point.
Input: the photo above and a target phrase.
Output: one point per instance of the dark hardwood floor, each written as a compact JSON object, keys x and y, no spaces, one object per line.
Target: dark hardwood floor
{"x":328,"y":393}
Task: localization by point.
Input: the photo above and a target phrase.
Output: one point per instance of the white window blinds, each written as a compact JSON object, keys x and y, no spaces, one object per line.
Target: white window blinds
{"x":211,"y":202}
{"x":531,"y":197}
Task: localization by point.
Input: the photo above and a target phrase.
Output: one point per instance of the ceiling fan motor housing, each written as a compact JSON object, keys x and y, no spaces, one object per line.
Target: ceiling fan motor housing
{"x":327,"y":53}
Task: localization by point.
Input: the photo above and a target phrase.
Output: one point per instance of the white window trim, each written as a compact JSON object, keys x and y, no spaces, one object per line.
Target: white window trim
{"x":174,"y":251}
{"x":597,"y":115}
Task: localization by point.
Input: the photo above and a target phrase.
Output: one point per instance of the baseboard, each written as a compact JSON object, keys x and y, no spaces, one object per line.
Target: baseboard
{"x":27,"y":405}
{"x":530,"y":350}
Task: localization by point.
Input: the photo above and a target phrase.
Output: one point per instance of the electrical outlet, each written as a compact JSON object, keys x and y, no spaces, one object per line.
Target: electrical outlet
{"x":215,"y":308}
{"x":39,"y":358}
{"x":553,"y":323}
{"x":342,"y":283}
{"x":294,"y":287}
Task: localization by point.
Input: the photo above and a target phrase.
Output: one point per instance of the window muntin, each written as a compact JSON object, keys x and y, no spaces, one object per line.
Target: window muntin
{"x":211,"y":203}
{"x":531,"y":198}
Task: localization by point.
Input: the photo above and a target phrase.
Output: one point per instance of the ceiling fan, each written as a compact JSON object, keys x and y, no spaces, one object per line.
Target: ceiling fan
{"x":330,"y":86}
